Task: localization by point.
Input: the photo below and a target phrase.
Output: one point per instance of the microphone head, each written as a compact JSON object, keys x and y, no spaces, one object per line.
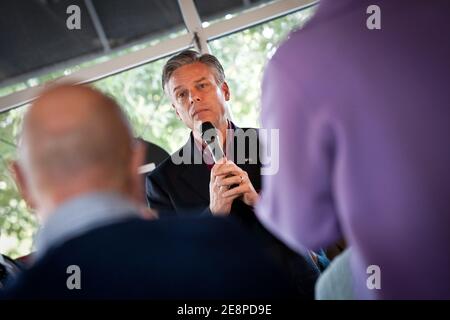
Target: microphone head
{"x":212,"y":140}
{"x":208,"y":132}
{"x":207,"y":126}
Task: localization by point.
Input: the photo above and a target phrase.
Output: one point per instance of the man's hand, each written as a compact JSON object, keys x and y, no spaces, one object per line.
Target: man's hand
{"x":223,"y":176}
{"x":219,"y":205}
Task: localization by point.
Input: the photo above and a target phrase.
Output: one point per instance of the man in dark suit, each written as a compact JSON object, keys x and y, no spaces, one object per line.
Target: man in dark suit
{"x":80,"y":173}
{"x":199,"y":93}
{"x":189,"y":182}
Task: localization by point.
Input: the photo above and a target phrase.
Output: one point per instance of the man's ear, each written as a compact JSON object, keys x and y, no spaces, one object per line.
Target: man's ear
{"x":226,"y":91}
{"x":176,"y":111}
{"x":22,"y":183}
{"x":137,"y":180}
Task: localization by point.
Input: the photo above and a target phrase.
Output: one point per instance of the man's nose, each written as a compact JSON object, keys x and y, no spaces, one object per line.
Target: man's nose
{"x":194,"y":97}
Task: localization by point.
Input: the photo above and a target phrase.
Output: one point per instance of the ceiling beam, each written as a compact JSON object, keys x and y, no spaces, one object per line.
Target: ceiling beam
{"x":98,"y":25}
{"x":194,"y":25}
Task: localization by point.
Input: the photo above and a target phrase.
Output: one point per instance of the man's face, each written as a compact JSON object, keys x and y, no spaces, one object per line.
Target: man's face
{"x":197,"y":97}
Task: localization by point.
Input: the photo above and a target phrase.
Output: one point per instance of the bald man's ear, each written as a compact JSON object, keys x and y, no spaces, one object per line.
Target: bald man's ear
{"x":22,"y":184}
{"x":137,"y":183}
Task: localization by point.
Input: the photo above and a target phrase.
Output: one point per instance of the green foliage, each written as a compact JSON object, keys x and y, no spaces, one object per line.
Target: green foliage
{"x":138,"y":91}
{"x":17,"y":225}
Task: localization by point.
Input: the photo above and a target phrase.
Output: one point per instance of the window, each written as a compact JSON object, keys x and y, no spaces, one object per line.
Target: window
{"x":244,"y":56}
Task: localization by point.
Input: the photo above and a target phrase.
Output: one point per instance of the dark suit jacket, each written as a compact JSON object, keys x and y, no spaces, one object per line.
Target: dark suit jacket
{"x":180,"y":189}
{"x":183,"y":189}
{"x":187,"y":258}
{"x":9,"y":268}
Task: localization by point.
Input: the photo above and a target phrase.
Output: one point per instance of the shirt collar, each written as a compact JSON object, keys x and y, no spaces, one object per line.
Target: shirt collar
{"x":82,"y":214}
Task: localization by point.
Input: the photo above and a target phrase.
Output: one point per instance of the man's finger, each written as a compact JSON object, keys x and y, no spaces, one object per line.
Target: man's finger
{"x":229,"y":181}
{"x":240,"y":190}
{"x":228,"y":171}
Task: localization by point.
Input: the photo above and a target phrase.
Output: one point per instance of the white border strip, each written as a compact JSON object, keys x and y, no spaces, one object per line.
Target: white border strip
{"x":256,"y":16}
{"x":101,"y":70}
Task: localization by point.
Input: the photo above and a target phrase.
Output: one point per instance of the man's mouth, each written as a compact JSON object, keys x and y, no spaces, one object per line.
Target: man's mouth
{"x":199,"y":111}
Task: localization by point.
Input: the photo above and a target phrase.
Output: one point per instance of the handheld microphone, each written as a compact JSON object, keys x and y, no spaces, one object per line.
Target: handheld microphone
{"x":211,"y":138}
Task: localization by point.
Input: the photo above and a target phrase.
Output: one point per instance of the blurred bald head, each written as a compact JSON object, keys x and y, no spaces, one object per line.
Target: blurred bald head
{"x":76,"y":139}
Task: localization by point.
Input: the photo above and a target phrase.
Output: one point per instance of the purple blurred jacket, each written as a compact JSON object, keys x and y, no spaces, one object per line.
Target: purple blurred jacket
{"x":364,"y":119}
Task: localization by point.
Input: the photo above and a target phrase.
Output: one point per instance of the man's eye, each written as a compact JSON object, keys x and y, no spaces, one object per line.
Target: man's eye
{"x":181,"y":95}
{"x":202,"y":85}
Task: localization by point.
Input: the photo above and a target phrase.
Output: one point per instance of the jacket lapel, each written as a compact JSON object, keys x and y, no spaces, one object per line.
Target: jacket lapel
{"x":195,"y":176}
